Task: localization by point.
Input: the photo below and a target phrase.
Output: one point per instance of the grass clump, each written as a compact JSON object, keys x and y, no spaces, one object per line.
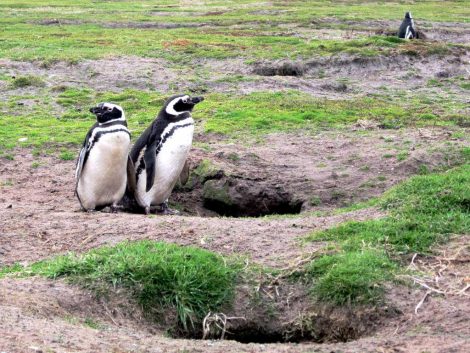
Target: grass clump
{"x":186,"y":281}
{"x":423,"y":211}
{"x":75,"y":98}
{"x":354,"y":277}
{"x":28,"y":80}
{"x":67,"y":155}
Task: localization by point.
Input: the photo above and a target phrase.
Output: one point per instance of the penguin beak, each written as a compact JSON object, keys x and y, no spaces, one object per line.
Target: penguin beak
{"x":196,"y":100}
{"x":95,"y":110}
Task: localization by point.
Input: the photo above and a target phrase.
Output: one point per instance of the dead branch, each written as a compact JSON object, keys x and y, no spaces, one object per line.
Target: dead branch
{"x":421,"y":283}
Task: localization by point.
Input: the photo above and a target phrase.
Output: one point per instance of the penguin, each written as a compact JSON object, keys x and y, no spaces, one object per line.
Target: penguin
{"x":104,"y":164}
{"x":160,"y":153}
{"x":407,"y":28}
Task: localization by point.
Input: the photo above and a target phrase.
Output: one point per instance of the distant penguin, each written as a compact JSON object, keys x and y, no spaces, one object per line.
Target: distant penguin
{"x":407,"y":29}
{"x":103,"y":163}
{"x":160,"y":153}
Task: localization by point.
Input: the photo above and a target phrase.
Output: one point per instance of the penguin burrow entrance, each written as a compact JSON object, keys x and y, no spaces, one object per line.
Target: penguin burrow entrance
{"x":274,"y":319}
{"x":215,"y":193}
{"x":240,"y":197}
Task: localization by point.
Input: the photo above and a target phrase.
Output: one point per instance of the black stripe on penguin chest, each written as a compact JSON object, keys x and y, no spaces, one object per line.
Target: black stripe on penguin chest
{"x":166,"y":136}
{"x":170,"y":134}
{"x":100,"y":134}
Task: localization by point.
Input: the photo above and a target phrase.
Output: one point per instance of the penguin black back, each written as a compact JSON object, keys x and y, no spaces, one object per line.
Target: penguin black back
{"x":161,"y":151}
{"x":407,"y":28}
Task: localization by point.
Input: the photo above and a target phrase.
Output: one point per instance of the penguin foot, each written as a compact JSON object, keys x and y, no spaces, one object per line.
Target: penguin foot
{"x":147,"y":210}
{"x":166,"y":211}
{"x":113,"y":209}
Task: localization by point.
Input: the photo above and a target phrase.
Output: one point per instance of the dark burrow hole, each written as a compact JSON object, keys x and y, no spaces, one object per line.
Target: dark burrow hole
{"x":237,"y":197}
{"x":258,"y":335}
{"x":272,"y":321}
{"x":250,"y":336}
{"x":254,"y":209}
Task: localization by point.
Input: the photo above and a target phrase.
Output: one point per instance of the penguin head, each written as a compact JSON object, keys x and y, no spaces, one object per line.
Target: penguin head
{"x":180,"y":104}
{"x":108,"y":112}
{"x":408,"y":15}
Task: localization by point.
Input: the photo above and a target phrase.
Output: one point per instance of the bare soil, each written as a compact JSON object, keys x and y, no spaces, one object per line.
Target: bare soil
{"x":39,"y":218}
{"x":336,"y":77}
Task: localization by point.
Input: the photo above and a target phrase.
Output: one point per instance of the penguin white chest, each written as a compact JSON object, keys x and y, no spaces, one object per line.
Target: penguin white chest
{"x":103,"y":180}
{"x":169,"y":164}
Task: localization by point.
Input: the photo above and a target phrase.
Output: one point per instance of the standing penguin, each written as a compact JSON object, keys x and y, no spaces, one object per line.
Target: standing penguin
{"x":103,"y":163}
{"x":407,"y":28}
{"x":160,"y":153}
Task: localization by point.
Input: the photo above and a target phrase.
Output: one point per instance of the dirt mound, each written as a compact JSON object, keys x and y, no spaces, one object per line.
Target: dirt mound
{"x":320,"y":172}
{"x":283,"y":68}
{"x":314,"y":76}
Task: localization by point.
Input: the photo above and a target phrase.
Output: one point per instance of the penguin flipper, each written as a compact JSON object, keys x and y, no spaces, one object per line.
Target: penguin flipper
{"x":184,"y":175}
{"x":131,"y":179}
{"x":150,"y":158}
{"x":80,"y":163}
{"x":83,"y":156}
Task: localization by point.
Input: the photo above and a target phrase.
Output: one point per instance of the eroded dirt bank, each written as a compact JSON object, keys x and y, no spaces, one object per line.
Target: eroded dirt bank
{"x":39,"y":217}
{"x":38,"y":315}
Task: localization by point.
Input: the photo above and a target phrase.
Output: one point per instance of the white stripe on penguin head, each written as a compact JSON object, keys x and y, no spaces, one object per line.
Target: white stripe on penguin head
{"x":170,"y":108}
{"x":111,"y":106}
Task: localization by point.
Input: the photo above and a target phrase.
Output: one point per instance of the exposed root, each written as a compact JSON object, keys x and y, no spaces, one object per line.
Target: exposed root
{"x":217,"y":321}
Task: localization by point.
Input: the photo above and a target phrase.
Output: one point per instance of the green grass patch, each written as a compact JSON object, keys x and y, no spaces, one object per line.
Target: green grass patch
{"x":67,"y":155}
{"x":423,"y":211}
{"x":28,"y":80}
{"x":465,"y":85}
{"x":75,"y":98}
{"x":353,"y":277}
{"x":185,"y":280}
{"x":403,"y":155}
{"x":75,"y":30}
{"x":250,"y":115}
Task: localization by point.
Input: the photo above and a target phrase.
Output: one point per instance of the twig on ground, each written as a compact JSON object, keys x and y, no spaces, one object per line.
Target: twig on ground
{"x":421,"y":283}
{"x":463,"y":290}
{"x":422,"y":301}
{"x":108,"y":313}
{"x":412,"y":263}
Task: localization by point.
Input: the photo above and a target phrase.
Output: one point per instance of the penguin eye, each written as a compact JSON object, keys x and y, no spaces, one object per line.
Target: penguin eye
{"x":110,"y":109}
{"x":185,"y":100}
